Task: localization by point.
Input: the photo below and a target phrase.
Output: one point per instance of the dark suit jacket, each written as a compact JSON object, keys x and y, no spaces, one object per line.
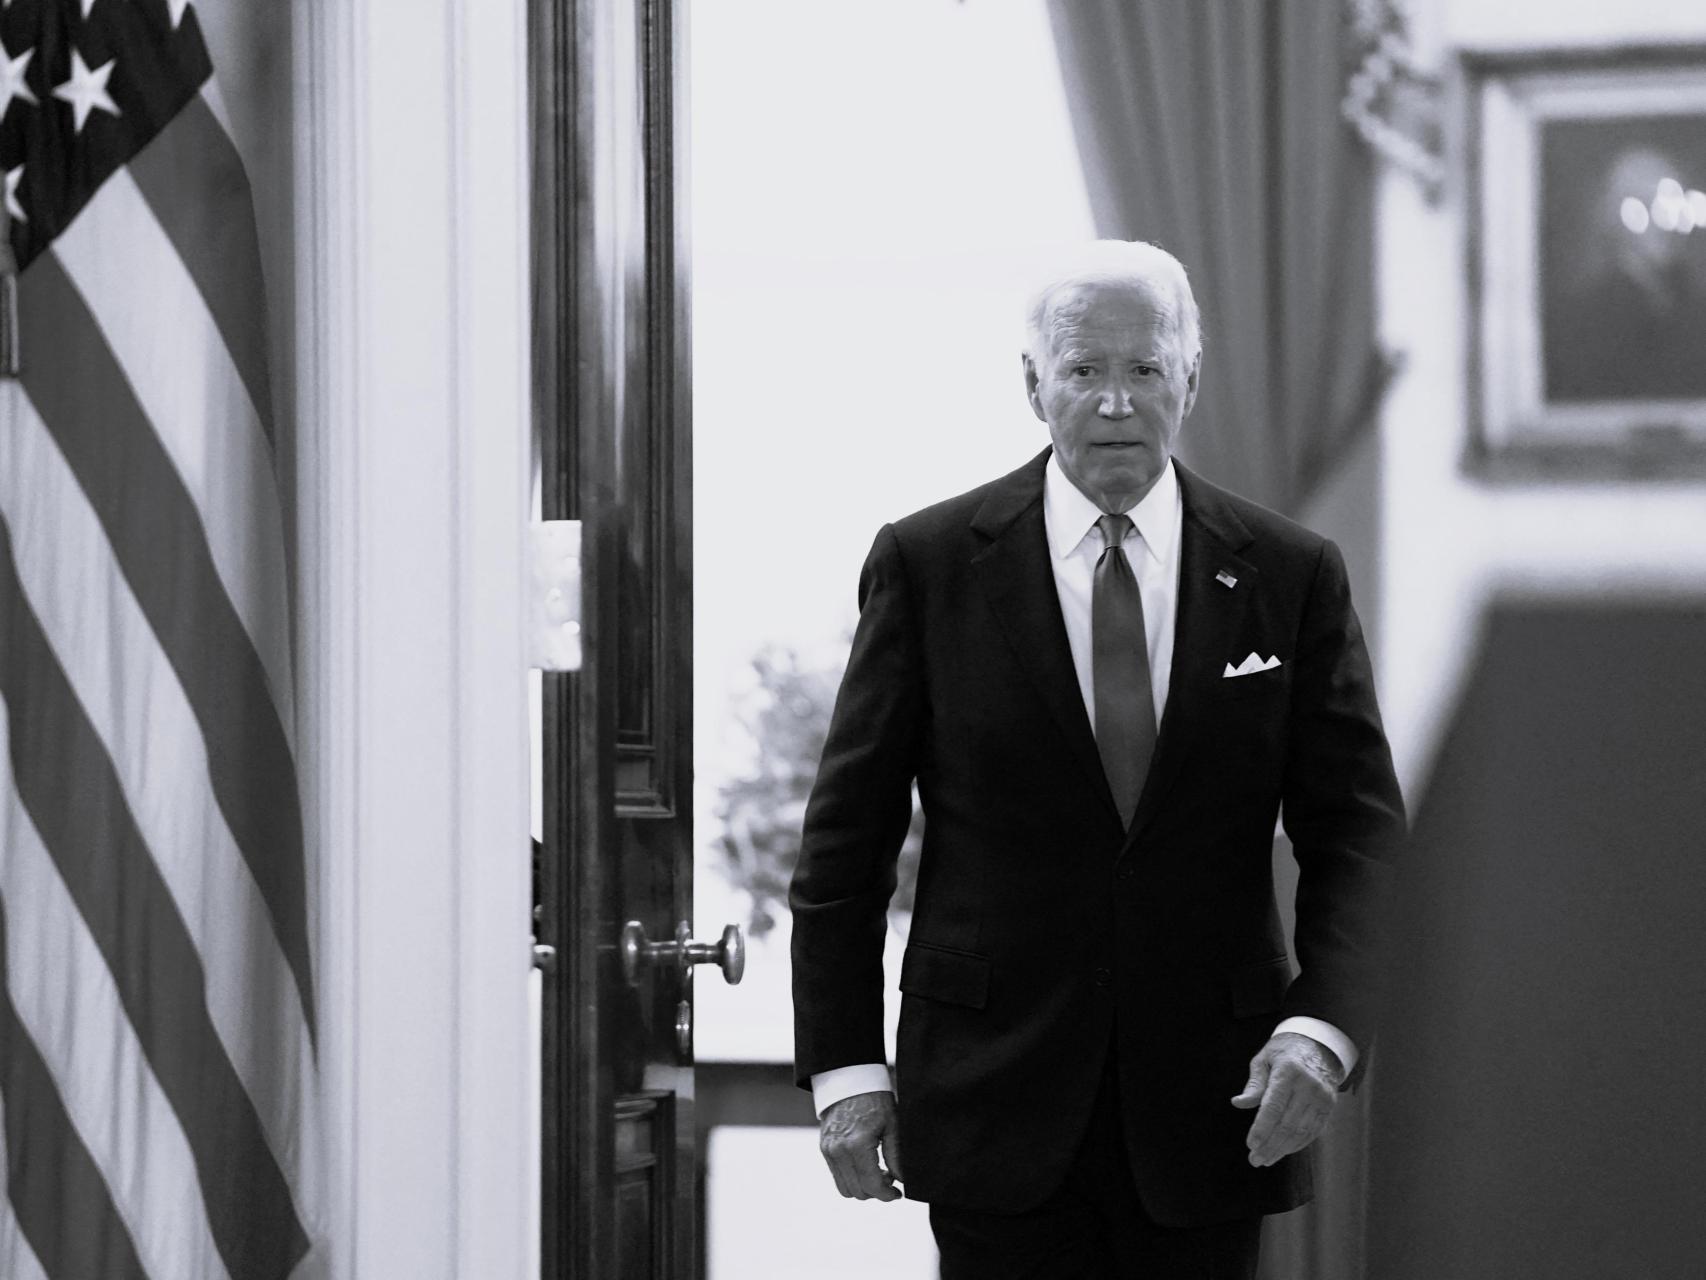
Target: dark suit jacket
{"x":1043,"y":933}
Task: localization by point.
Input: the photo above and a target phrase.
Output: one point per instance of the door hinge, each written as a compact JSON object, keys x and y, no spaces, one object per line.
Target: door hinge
{"x":554,"y":595}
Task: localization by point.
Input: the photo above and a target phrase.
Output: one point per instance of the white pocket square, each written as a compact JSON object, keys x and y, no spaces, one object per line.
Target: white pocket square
{"x":1250,"y":666}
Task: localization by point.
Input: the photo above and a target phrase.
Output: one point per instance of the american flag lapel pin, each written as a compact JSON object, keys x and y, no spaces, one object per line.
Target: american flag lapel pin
{"x":1226,"y":580}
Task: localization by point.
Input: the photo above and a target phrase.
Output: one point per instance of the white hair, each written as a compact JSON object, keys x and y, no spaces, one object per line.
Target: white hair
{"x":1117,"y":262}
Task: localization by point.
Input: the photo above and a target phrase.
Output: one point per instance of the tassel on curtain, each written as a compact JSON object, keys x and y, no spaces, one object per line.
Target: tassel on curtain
{"x":1390,"y":99}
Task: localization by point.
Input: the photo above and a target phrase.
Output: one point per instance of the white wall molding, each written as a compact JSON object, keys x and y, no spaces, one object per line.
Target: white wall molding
{"x":414,"y":404}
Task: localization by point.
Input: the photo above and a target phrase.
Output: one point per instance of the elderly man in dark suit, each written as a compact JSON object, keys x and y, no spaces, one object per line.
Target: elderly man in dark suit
{"x":1107,"y":678}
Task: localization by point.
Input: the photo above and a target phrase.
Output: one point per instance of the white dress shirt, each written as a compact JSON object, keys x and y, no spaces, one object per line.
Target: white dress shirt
{"x":1075,"y":544}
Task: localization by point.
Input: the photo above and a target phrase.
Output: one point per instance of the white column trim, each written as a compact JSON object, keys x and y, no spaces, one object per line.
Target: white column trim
{"x":497,"y":1181}
{"x":414,"y":406}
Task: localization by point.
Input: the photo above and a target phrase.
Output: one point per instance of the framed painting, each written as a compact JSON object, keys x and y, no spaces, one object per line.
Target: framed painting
{"x":1587,"y":262}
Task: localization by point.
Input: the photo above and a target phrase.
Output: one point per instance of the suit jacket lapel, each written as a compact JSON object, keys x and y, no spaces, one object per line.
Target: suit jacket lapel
{"x":1017,"y":580}
{"x":1208,"y":618}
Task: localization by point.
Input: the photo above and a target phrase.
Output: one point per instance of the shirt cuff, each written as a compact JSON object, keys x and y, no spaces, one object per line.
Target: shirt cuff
{"x":1325,"y":1033}
{"x":830,"y":1087}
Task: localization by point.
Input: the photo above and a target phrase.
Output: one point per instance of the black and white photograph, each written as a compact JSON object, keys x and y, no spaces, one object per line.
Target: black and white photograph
{"x":852,"y":639}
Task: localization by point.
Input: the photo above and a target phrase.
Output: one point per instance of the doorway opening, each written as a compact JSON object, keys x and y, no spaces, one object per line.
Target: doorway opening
{"x":874,"y":186}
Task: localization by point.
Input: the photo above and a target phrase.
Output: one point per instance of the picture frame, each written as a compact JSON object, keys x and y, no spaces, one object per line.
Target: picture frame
{"x":1586,"y":253}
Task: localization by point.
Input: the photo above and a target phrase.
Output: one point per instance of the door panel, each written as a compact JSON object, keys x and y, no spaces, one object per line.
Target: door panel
{"x":613,"y":434}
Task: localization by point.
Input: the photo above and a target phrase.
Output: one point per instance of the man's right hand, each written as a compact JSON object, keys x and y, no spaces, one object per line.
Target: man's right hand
{"x":849,"y":1135}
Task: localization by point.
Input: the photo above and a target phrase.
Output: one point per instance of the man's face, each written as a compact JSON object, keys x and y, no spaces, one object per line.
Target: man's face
{"x":1114,"y":386}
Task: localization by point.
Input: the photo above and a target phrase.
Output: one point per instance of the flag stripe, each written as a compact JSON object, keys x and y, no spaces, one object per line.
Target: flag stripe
{"x":183,"y":378}
{"x":193,"y":177}
{"x":91,"y":1050}
{"x":215,"y":99}
{"x":83,"y":397}
{"x":132,"y":698}
{"x":17,"y":1260}
{"x":61,"y":1201}
{"x":88,"y":832}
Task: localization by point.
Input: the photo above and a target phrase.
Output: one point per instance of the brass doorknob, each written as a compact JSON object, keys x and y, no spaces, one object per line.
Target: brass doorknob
{"x":728,"y":953}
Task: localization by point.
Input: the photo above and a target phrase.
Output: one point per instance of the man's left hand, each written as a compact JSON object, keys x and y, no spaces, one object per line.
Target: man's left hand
{"x":1294,"y":1081}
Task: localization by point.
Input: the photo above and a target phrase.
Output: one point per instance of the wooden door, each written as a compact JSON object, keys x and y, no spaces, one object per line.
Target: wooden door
{"x":612,"y":411}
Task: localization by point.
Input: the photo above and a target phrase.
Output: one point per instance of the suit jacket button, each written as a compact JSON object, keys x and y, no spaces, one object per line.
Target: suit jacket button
{"x":1104,"y":977}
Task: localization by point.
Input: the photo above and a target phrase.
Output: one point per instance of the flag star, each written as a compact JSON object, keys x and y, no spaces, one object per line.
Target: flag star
{"x":12,"y":83}
{"x":87,"y":89}
{"x":13,"y":178}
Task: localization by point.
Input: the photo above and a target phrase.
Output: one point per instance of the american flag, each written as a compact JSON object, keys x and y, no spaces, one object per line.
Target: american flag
{"x":157,"y":1031}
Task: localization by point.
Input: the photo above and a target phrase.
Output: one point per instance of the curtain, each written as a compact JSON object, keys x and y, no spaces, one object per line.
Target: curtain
{"x":1213,"y":129}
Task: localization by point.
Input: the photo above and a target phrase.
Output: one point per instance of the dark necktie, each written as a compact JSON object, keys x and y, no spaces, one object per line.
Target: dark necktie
{"x":1119,"y":670}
